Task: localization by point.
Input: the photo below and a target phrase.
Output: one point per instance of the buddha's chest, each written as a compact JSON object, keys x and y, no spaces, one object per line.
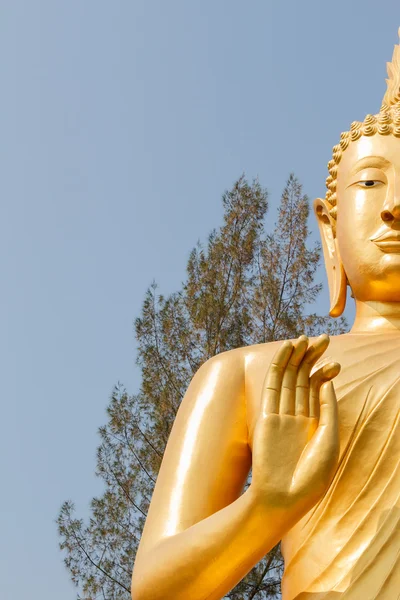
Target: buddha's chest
{"x":360,"y":511}
{"x":367,"y":387}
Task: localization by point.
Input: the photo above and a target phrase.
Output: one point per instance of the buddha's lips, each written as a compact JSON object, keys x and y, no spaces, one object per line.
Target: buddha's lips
{"x":388,"y":241}
{"x":387,"y":236}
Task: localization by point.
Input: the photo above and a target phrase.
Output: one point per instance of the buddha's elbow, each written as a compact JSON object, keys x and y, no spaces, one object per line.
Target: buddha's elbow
{"x":147,"y":586}
{"x":137,"y":591}
{"x":142,"y":588}
{"x":138,"y":588}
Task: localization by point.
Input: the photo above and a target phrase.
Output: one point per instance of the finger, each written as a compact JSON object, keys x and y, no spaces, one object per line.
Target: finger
{"x":321,"y":376}
{"x":314,"y":353}
{"x":328,"y":405}
{"x":288,"y":393}
{"x":273,"y":380}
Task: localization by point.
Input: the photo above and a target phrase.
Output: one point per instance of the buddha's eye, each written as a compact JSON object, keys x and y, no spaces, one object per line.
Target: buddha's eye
{"x":369,"y":183}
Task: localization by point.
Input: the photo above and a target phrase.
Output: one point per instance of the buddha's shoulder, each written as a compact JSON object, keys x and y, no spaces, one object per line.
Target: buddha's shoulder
{"x":248,"y":355}
{"x":245,"y":353}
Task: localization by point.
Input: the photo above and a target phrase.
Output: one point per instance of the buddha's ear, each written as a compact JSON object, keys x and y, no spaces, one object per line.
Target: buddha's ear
{"x":334,"y":268}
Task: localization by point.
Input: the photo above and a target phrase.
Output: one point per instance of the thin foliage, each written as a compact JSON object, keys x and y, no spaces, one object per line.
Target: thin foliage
{"x":244,"y":286}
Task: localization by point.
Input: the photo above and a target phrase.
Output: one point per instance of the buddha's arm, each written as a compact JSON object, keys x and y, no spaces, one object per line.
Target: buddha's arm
{"x":200,"y":537}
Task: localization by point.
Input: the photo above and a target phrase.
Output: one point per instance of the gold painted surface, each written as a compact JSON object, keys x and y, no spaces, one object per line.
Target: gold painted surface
{"x":324,"y":457}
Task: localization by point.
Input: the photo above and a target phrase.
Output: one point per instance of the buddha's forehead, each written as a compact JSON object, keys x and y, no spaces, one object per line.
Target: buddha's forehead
{"x":374,"y":147}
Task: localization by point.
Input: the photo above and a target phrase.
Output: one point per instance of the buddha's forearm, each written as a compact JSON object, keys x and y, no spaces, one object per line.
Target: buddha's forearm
{"x":207,"y":560}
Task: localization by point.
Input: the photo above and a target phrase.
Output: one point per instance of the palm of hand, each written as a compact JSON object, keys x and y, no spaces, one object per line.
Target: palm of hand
{"x":296,"y":441}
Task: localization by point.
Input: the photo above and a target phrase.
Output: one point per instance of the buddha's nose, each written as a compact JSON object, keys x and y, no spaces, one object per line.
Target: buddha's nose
{"x":392,"y":212}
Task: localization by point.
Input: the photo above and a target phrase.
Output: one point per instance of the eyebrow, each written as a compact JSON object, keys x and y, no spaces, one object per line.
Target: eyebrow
{"x":378,"y":162}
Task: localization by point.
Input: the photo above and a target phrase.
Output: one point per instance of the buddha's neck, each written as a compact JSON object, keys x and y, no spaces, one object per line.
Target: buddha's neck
{"x":376,"y":317}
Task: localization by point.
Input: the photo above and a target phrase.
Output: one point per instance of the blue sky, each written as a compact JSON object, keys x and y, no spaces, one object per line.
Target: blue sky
{"x":122,"y":122}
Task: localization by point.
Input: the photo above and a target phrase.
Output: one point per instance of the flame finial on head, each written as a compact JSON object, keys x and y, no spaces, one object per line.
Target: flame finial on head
{"x":392,"y":95}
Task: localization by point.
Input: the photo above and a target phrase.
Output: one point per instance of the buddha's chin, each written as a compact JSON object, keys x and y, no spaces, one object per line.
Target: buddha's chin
{"x":388,"y":273}
{"x":377,"y":282}
{"x":384,"y":290}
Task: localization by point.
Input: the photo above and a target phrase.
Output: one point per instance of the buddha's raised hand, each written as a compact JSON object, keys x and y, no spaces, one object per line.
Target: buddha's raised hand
{"x":296,"y":438}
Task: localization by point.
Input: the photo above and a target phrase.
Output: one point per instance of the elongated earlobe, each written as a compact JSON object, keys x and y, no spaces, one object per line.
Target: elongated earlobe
{"x":337,"y":279}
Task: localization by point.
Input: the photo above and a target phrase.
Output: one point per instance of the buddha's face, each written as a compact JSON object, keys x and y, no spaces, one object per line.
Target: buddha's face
{"x":368,"y":217}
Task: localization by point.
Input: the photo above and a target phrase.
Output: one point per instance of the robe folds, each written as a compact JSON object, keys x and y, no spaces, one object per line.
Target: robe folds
{"x":348,"y":546}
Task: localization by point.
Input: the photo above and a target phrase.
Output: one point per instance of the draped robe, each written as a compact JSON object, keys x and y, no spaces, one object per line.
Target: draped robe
{"x":348,"y":546}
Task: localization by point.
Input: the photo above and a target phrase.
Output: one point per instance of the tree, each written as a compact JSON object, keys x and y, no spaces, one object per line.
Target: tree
{"x":245,"y":286}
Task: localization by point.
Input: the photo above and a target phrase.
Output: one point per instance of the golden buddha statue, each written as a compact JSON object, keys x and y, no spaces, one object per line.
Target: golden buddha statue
{"x":324,"y":456}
